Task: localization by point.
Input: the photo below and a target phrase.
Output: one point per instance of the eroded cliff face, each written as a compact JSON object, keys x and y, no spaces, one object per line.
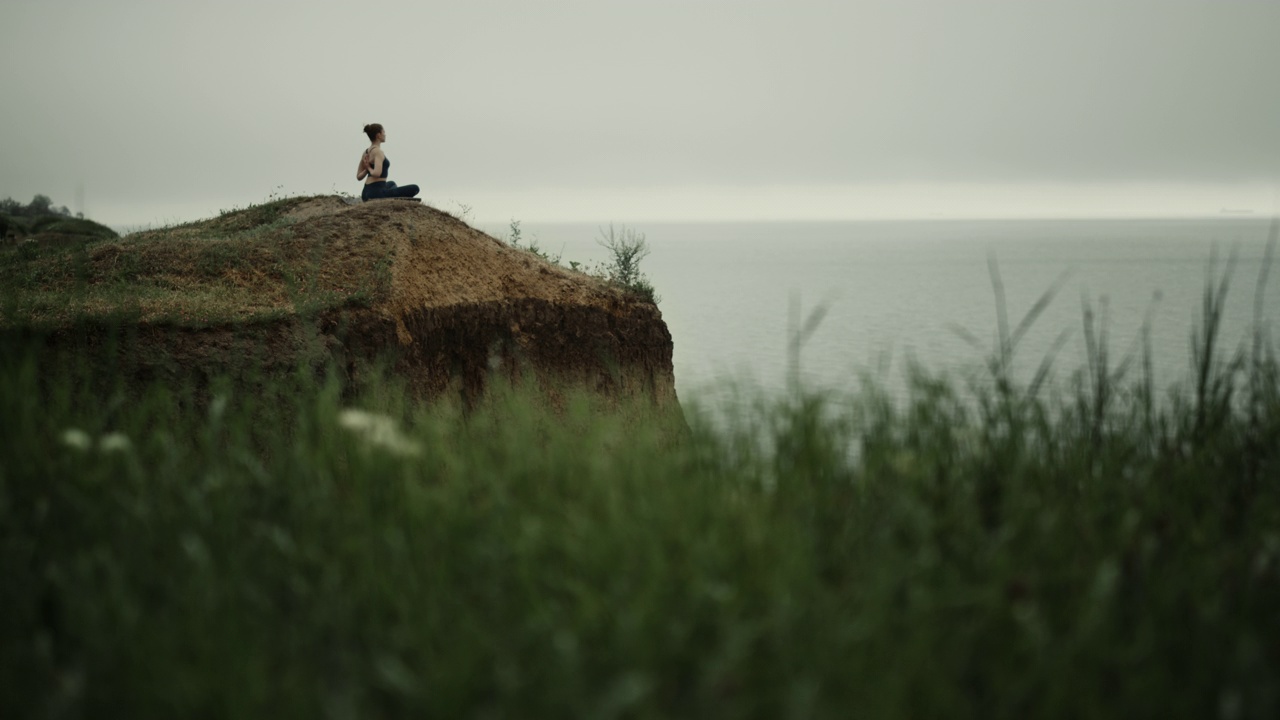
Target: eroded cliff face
{"x":465,"y":306}
{"x":624,"y":351}
{"x":325,"y":283}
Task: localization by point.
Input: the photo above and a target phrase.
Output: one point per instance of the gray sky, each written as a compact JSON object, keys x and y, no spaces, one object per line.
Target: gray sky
{"x":602,"y":110}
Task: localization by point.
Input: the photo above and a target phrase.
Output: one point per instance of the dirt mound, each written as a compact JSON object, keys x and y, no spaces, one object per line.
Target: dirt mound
{"x":325,"y":281}
{"x":440,"y":260}
{"x":315,"y":206}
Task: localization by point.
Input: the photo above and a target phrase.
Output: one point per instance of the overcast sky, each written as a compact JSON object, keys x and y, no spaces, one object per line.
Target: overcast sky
{"x":601,"y":110}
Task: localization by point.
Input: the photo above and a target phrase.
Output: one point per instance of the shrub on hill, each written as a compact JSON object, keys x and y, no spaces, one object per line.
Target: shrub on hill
{"x":40,"y":221}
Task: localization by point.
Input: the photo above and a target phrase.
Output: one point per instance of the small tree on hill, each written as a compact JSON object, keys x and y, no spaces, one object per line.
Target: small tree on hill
{"x":628,"y":248}
{"x":40,"y":205}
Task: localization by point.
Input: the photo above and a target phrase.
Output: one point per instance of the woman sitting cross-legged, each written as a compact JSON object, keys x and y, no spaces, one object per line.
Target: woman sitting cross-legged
{"x":373,"y":169}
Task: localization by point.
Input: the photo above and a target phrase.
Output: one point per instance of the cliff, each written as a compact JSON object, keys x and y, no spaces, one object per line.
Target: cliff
{"x":324,"y":283}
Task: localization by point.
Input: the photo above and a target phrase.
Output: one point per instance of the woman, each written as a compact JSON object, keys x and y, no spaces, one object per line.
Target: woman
{"x":373,"y":169}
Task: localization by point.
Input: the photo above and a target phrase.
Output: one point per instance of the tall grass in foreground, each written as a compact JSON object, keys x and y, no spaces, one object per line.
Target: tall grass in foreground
{"x":979,"y":551}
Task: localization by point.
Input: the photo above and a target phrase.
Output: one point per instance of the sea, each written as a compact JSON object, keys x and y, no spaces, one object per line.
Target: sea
{"x":762,"y":306}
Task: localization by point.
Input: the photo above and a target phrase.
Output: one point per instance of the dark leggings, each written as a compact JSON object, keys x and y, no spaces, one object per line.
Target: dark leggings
{"x":387,"y":189}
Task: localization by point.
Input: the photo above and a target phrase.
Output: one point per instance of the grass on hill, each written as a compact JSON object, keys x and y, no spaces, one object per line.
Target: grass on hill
{"x":243,"y":266}
{"x":59,"y":229}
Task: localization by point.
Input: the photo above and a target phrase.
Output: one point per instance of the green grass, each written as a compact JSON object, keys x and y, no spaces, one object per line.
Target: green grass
{"x":244,"y":266}
{"x":978,"y":550}
{"x":51,"y":225}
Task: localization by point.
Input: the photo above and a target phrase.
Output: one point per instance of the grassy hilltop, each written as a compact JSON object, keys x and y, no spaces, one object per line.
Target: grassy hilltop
{"x":984,"y":549}
{"x":40,"y":223}
{"x":240,"y":267}
{"x":52,"y":229}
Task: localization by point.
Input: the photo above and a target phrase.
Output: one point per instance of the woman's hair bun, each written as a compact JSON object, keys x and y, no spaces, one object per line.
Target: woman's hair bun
{"x":372,"y":130}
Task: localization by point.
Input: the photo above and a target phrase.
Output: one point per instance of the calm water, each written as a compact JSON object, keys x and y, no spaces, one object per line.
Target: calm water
{"x":900,"y":290}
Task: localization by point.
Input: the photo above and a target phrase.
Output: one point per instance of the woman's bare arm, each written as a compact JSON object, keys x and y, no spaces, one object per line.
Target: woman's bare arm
{"x":363,"y":168}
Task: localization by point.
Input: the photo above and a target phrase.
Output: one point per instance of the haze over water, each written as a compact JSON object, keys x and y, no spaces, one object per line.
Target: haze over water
{"x":899,"y":290}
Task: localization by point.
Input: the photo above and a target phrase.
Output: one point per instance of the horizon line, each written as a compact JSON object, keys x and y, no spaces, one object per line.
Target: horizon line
{"x":130,"y":228}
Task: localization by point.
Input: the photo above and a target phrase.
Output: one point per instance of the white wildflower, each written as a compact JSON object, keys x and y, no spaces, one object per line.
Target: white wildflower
{"x":77,"y":439}
{"x":358,"y":420}
{"x":114,"y":442}
{"x":217,"y":407}
{"x":379,"y":430}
